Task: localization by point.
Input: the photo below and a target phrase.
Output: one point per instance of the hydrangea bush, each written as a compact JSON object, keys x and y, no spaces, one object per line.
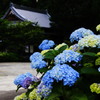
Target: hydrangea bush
{"x":68,"y":72}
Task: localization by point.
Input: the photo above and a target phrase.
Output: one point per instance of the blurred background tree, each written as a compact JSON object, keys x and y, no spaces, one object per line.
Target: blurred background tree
{"x":16,"y":37}
{"x":66,"y":16}
{"x":69,"y":15}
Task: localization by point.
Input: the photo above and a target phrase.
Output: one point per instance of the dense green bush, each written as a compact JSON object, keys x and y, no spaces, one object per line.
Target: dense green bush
{"x":4,"y":56}
{"x":68,"y":72}
{"x":15,"y":37}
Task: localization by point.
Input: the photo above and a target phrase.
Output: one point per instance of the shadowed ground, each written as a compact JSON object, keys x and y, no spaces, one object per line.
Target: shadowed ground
{"x":9,"y":95}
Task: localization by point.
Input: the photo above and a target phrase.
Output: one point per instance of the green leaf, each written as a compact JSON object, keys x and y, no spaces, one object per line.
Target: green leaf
{"x":90,"y":54}
{"x":89,"y":70}
{"x":50,"y":54}
{"x":61,"y":49}
{"x":42,"y":70}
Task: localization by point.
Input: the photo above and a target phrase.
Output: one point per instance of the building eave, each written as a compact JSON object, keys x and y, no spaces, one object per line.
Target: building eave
{"x":17,"y":15}
{"x":41,"y":18}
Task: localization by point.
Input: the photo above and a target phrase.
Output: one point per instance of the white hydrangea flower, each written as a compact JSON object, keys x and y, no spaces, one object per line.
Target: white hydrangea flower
{"x":99,"y":69}
{"x":90,"y":41}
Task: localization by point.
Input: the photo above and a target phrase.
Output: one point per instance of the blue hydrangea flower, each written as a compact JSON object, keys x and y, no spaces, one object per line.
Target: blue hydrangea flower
{"x":47,"y":79}
{"x":67,"y":56}
{"x":59,"y":72}
{"x":80,"y":33}
{"x":43,"y":90}
{"x":19,"y":79}
{"x":24,"y":80}
{"x":37,"y":60}
{"x":66,"y":73}
{"x":46,"y":44}
{"x":36,"y":56}
{"x":38,"y":64}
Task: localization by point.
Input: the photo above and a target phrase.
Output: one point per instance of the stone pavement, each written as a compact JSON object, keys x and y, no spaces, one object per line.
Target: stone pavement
{"x":8,"y":72}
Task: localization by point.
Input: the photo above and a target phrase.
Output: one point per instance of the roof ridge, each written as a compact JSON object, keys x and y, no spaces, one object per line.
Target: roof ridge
{"x":28,"y":8}
{"x":42,"y":19}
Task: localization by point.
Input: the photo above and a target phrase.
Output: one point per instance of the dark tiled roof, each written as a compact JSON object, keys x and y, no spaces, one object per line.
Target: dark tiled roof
{"x":28,"y":8}
{"x":42,"y":18}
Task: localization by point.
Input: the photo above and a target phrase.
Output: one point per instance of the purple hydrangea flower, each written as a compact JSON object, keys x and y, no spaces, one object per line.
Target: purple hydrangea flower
{"x":19,"y":79}
{"x":25,"y":80}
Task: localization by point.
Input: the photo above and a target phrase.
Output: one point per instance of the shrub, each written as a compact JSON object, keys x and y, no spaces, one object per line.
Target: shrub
{"x":67,"y":72}
{"x":8,"y":57}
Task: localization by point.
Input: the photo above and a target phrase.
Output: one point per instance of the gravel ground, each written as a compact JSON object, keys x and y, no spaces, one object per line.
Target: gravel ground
{"x":8,"y":72}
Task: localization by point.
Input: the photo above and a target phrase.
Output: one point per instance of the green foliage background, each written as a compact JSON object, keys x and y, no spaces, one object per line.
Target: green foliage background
{"x":16,"y":36}
{"x":67,"y":15}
